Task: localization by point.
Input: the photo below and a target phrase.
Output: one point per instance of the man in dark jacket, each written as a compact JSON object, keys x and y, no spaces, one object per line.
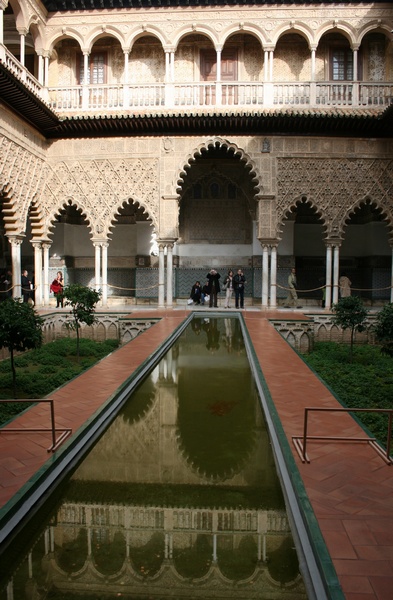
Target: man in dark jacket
{"x":239,"y":281}
{"x":213,"y":287}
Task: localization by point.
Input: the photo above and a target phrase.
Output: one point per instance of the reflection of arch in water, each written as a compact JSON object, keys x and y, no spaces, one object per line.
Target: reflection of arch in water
{"x":140,"y":401}
{"x":216,"y":433}
{"x":71,"y":556}
{"x":194,"y":561}
{"x":147,"y":559}
{"x":109,"y":552}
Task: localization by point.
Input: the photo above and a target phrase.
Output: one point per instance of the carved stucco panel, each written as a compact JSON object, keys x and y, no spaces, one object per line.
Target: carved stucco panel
{"x":334,"y":186}
{"x":100,"y":187}
{"x":21,"y":172}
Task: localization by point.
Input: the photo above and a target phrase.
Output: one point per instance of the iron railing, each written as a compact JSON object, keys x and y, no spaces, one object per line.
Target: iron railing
{"x":300,"y":442}
{"x":56,"y":442}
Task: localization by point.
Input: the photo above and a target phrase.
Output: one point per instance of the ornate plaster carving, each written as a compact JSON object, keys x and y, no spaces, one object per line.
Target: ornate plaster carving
{"x":335,"y":187}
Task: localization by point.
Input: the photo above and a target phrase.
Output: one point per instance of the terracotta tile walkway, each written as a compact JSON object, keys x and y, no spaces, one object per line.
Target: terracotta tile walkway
{"x":349,"y":486}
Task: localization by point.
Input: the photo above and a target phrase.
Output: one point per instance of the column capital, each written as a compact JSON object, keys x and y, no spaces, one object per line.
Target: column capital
{"x":99,"y":241}
{"x":15,"y":239}
{"x":265,"y":197}
{"x":167,"y":242}
{"x":270,"y":242}
{"x":333,"y":242}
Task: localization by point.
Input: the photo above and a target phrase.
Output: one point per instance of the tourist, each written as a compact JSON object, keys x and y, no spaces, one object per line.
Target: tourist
{"x":196,"y":293}
{"x":57,"y":287}
{"x":228,"y":287}
{"x":239,"y":281}
{"x":292,"y":299}
{"x":213,"y":287}
{"x":26,"y":286}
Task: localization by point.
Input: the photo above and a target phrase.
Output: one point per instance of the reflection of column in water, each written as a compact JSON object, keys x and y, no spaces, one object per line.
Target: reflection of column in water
{"x":237,"y":338}
{"x":213,"y":335}
{"x":228,"y":334}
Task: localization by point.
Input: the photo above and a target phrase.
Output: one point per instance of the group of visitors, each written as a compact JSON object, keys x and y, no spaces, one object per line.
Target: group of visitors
{"x":27,"y":287}
{"x":209,"y":292}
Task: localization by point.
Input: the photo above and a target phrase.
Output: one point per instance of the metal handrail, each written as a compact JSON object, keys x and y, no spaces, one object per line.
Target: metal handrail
{"x":300,"y":443}
{"x":65,"y":433}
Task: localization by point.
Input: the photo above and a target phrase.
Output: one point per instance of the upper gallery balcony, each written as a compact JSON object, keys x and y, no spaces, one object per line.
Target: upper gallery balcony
{"x":248,"y":66}
{"x":241,"y":95}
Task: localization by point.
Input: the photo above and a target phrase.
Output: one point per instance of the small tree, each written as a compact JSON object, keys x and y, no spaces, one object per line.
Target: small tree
{"x":350,"y":313}
{"x":20,"y":329}
{"x":82,"y":301}
{"x":384,"y":329}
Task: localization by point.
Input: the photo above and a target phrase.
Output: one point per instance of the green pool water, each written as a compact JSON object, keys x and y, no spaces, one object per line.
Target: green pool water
{"x":179,"y":498}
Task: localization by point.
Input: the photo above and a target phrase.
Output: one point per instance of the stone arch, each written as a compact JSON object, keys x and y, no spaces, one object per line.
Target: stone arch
{"x":21,"y":13}
{"x":103,"y":32}
{"x":245,"y":28}
{"x":10,"y":209}
{"x":344,"y":29}
{"x":300,"y":199}
{"x":67,"y":203}
{"x":208,"y":32}
{"x":383,"y":211}
{"x":376,"y":26}
{"x":65,"y":33}
{"x":37,"y":221}
{"x":304,"y":342}
{"x":148,"y":30}
{"x":140,"y":204}
{"x":218,"y":143}
{"x":301,"y":29}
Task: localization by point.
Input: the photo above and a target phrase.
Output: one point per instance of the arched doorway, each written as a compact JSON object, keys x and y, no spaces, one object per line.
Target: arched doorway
{"x":365,"y":253}
{"x":302,"y":247}
{"x":217,"y":219}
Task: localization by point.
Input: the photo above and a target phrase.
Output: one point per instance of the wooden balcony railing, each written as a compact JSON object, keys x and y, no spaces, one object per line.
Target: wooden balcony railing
{"x":239,"y":94}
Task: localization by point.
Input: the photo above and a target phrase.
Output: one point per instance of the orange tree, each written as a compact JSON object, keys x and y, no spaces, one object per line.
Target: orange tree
{"x":82,"y":300}
{"x":20,"y":329}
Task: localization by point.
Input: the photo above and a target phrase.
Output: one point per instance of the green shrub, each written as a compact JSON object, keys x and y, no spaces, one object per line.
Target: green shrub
{"x":43,"y":370}
{"x":367,"y":382}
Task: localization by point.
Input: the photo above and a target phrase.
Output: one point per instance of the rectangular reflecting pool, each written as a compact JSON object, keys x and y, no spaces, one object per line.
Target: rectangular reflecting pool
{"x":179,"y":498}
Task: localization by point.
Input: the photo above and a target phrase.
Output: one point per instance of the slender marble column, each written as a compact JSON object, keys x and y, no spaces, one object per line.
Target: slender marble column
{"x":169,"y":275}
{"x":97,"y":272}
{"x":104,"y":273}
{"x":273,"y":277}
{"x":22,"y":48}
{"x":161,"y":276}
{"x":336,"y":267}
{"x":37,"y":272}
{"x":328,"y":299}
{"x":45,"y":249}
{"x":16,"y":243}
{"x":265,"y":276}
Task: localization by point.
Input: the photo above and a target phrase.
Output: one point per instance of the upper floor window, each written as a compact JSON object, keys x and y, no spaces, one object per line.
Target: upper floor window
{"x":341,"y":64}
{"x":96,"y":74}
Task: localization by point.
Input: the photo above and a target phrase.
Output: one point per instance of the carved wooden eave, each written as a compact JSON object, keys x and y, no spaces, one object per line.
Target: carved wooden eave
{"x":340,"y":122}
{"x":72,"y":5}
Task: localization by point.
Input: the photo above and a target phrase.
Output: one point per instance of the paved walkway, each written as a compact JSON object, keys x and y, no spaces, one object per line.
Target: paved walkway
{"x":349,"y":486}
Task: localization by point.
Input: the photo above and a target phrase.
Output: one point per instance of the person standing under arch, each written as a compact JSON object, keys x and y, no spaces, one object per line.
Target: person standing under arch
{"x":239,"y":281}
{"x":213,"y":287}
